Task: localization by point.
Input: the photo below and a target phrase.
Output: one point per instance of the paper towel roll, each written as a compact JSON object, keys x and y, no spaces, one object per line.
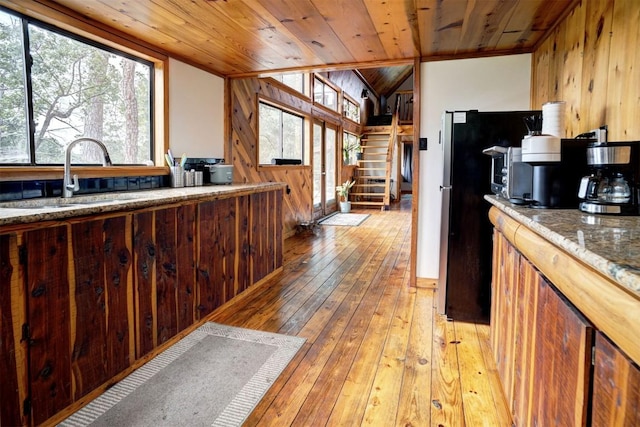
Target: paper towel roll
{"x":553,"y":118}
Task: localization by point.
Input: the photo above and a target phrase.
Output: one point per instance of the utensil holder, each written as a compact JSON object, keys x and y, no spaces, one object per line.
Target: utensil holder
{"x":177,"y":176}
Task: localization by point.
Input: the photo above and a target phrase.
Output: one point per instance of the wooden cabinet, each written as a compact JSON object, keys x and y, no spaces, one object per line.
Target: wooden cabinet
{"x":265,"y":234}
{"x":240,"y":244}
{"x":101,"y":293}
{"x":616,"y":386}
{"x":217,"y":251}
{"x":164,"y":244}
{"x":562,"y":361}
{"x":13,"y":349}
{"x":82,"y":300}
{"x":79,"y":300}
{"x":541,"y":344}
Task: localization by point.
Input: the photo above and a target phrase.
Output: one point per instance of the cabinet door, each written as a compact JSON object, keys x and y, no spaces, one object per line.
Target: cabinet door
{"x":216,"y":278}
{"x":49,"y":304}
{"x":265,"y":234}
{"x":13,"y":349}
{"x":562,"y":360}
{"x":164,"y":248}
{"x":505,"y":285}
{"x":616,"y":387}
{"x":101,"y":298}
{"x":525,"y":342}
{"x":541,"y":345}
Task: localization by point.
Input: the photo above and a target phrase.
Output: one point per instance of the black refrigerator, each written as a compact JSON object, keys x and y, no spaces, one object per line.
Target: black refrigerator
{"x":466,"y":232}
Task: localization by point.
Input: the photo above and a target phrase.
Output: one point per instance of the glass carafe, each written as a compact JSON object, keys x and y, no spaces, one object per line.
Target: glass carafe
{"x":619,"y":189}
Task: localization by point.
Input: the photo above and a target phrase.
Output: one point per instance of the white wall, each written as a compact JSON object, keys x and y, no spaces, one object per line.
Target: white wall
{"x":196,"y":111}
{"x":486,"y":84}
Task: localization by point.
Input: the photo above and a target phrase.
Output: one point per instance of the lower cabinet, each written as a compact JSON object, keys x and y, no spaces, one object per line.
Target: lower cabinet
{"x":14,"y":386}
{"x":541,"y":344}
{"x":164,"y":245}
{"x":81,"y":300}
{"x":616,"y":386}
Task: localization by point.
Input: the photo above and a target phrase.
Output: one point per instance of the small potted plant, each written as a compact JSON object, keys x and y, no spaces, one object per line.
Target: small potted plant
{"x":343,"y":193}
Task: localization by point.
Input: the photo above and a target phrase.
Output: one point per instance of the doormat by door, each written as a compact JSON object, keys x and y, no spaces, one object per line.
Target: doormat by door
{"x":346,"y":219}
{"x":214,"y":376}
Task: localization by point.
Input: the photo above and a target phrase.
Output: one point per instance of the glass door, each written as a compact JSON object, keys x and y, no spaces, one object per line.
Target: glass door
{"x":325,"y":170}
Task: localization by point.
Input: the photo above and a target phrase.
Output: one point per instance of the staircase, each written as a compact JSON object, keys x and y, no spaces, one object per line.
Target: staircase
{"x":373,"y":174}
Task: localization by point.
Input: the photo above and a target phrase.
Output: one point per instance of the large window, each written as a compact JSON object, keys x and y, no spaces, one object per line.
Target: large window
{"x":281,"y":135}
{"x":72,"y":88}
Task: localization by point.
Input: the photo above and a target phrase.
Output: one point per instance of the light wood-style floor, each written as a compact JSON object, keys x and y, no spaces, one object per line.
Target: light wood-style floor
{"x":376,"y":352}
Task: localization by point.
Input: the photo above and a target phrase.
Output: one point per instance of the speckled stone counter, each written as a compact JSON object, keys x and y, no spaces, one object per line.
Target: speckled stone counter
{"x":608,"y":244}
{"x":36,"y":210}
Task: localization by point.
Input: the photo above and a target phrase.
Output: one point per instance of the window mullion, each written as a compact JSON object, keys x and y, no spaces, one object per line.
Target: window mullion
{"x":281,"y":133}
{"x":28,"y":87}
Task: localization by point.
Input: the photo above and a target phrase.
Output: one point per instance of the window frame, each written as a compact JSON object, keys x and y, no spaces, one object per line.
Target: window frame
{"x":326,"y":83}
{"x":107,"y":38}
{"x":306,"y":133}
{"x":305,"y":83}
{"x":348,"y":99}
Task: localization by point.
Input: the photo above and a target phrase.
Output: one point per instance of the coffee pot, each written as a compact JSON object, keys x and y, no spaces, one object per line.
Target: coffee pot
{"x":613,"y":187}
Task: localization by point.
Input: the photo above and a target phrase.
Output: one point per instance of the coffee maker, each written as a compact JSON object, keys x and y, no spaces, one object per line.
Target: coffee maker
{"x":557,"y":168}
{"x":613,"y":186}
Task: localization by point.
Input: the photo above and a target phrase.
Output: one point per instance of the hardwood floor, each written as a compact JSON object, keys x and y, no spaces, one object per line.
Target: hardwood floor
{"x":376,"y":352}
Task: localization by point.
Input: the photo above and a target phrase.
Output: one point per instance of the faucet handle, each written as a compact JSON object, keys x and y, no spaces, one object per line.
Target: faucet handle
{"x":74,"y":185}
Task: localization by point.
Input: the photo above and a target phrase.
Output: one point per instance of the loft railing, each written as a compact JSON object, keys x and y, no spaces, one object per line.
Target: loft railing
{"x":404,"y":107}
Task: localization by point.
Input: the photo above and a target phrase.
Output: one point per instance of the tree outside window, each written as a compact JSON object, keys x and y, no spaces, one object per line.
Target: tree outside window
{"x":78,"y":89}
{"x":281,"y":134}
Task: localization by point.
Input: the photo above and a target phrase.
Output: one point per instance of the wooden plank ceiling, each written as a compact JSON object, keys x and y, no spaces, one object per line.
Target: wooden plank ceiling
{"x":251,"y":37}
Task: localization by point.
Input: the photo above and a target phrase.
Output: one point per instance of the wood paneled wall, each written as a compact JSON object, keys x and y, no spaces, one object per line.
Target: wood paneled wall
{"x":591,"y":61}
{"x":242,"y":151}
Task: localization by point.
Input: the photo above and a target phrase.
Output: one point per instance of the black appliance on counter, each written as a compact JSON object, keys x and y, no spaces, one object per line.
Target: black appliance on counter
{"x":613,"y":186}
{"x":558,"y":166}
{"x":202,"y":164}
{"x":466,"y":234}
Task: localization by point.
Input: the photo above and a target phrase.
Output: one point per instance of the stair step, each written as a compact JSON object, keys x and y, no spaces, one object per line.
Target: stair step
{"x":367,"y":203}
{"x":370,"y":185}
{"x":368,"y":194}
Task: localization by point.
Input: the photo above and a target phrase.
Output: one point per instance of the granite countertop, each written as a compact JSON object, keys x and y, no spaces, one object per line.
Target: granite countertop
{"x":45,"y":209}
{"x":609,"y":244}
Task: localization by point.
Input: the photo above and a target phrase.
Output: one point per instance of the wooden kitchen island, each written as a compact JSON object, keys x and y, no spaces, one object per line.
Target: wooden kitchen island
{"x":565,"y":315}
{"x":92,"y":287}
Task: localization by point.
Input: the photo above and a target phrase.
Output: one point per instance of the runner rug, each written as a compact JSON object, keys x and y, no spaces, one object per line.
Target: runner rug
{"x":214,"y":376}
{"x":347,"y":219}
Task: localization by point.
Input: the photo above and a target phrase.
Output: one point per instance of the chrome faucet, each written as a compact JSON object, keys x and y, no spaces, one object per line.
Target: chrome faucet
{"x":69,"y":184}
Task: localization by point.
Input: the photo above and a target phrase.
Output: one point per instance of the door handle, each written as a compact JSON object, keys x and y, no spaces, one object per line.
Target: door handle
{"x":446,"y":187}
